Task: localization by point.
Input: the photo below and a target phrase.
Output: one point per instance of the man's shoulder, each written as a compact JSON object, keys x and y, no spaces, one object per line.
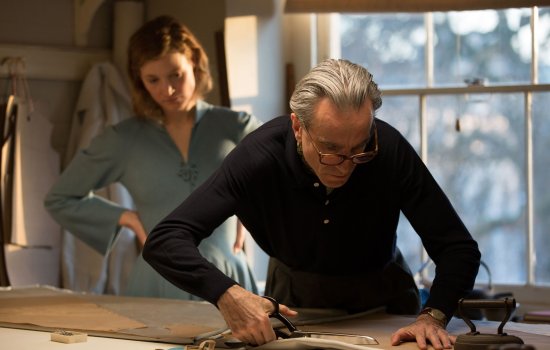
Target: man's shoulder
{"x":388,"y":135}
{"x":277,"y":125}
{"x":384,"y":127}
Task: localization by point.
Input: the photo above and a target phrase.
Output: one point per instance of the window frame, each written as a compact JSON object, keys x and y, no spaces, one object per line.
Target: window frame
{"x":323,"y":47}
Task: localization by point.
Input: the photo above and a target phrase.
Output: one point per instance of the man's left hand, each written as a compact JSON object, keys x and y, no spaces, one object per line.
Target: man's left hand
{"x":424,"y":330}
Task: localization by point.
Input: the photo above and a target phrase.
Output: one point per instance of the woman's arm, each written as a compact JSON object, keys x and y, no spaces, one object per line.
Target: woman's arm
{"x":71,"y":200}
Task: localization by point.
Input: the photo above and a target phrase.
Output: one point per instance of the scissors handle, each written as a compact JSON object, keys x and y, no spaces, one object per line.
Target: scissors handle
{"x":277,"y":314}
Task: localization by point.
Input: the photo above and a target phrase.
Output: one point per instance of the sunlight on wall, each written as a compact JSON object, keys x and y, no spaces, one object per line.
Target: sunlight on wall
{"x":241,"y":36}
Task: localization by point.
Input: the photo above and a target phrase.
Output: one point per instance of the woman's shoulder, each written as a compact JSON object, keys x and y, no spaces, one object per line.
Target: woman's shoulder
{"x":230,"y":121}
{"x":131,"y":126}
{"x":206,"y":110}
{"x":123,"y":134}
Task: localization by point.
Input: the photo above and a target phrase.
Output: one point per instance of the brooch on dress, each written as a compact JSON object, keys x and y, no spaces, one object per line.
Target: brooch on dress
{"x":188,"y":172}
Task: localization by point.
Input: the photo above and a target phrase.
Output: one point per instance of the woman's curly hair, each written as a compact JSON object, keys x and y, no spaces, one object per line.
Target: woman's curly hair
{"x":154,"y":39}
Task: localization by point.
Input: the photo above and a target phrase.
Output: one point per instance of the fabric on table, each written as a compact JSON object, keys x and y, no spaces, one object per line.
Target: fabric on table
{"x":310,"y":343}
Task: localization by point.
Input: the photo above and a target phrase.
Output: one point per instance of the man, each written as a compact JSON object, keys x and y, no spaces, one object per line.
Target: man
{"x":321,"y":193}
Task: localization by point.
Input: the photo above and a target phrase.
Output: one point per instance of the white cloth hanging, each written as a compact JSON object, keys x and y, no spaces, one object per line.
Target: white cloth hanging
{"x":104,"y":100}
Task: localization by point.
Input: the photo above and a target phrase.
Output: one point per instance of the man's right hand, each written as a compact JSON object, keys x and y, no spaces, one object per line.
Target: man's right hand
{"x":247,"y":315}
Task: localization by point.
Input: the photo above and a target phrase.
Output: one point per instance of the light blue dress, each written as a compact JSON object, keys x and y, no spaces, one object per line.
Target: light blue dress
{"x":141,"y":155}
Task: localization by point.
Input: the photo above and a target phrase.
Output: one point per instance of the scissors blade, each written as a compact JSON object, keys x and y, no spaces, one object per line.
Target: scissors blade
{"x":343,"y":337}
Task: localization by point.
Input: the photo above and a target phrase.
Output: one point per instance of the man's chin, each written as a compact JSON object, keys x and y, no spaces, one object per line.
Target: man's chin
{"x":334,"y":182}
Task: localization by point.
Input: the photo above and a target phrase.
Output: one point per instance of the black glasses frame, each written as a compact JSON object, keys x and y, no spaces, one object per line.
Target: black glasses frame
{"x":359,"y":158}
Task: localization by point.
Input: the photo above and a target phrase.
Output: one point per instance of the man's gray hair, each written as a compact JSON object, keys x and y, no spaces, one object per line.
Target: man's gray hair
{"x":347,"y":85}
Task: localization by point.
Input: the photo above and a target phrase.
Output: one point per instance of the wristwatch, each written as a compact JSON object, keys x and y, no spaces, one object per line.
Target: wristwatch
{"x":436,"y":314}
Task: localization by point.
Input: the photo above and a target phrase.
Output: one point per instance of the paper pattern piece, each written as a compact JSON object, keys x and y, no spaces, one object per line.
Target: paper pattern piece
{"x":71,"y":314}
{"x":133,"y":318}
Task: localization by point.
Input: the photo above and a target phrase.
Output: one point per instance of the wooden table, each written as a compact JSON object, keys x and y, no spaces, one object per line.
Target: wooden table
{"x":31,"y":314}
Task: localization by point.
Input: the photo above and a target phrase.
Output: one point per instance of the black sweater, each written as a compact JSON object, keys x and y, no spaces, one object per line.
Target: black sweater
{"x":350,"y":231}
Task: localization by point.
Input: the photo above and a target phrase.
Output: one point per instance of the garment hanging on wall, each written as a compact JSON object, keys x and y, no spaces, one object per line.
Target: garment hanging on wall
{"x":30,"y":235}
{"x":104,"y":100}
{"x":8,"y":113}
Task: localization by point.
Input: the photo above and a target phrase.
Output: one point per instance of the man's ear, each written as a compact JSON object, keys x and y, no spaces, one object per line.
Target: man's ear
{"x":296,"y":126}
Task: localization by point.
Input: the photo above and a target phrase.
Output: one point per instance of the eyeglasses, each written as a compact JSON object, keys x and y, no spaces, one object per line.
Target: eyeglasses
{"x":337,"y":159}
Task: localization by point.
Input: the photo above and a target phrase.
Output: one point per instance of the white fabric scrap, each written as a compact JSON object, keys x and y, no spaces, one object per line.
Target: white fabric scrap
{"x":310,"y":343}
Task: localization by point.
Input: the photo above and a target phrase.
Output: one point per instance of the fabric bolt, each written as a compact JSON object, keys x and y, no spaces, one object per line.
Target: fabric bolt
{"x":140,"y":155}
{"x":350,"y":231}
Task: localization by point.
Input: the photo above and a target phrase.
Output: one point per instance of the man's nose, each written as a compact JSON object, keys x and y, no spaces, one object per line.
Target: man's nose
{"x":346,"y":165}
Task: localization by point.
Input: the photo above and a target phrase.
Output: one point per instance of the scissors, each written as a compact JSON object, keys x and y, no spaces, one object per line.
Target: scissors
{"x":294,"y":332}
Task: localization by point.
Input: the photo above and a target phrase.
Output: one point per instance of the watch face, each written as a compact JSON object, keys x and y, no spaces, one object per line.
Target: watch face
{"x":435,"y":313}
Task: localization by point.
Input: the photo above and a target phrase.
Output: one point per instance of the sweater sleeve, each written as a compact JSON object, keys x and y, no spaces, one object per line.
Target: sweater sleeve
{"x":71,"y":200}
{"x":444,"y":236}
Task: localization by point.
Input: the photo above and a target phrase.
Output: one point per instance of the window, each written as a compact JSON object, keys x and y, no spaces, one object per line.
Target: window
{"x":470,"y":91}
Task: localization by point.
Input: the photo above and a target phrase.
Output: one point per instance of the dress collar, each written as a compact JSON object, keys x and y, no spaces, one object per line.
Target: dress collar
{"x":200,"y":109}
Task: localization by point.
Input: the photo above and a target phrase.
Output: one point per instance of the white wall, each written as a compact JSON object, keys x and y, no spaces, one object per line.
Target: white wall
{"x":298,"y":48}
{"x":256,"y":73}
{"x":255,"y":57}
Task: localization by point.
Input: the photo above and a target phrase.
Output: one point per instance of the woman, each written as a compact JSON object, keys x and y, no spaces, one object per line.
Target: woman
{"x":172,"y":145}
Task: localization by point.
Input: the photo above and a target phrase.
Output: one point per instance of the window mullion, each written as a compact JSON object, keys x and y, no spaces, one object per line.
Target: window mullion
{"x":530,"y":239}
{"x":423,"y":150}
{"x":531,"y":253}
